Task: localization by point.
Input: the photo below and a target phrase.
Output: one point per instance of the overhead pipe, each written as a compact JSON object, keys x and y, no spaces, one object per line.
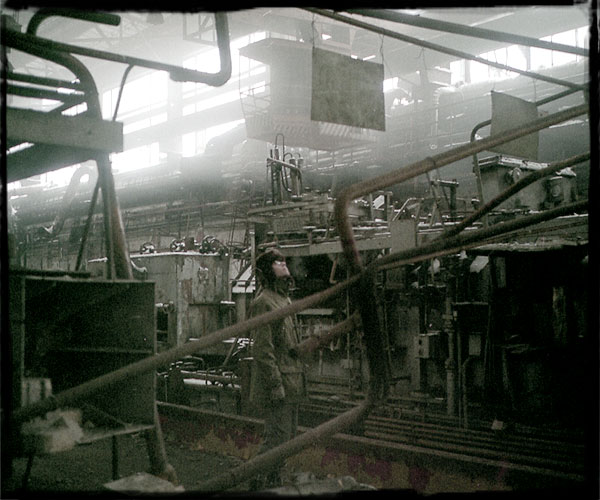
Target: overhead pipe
{"x":461,"y":29}
{"x":515,"y":188}
{"x":93,"y":17}
{"x":177,"y":73}
{"x":440,"y":48}
{"x":433,"y":162}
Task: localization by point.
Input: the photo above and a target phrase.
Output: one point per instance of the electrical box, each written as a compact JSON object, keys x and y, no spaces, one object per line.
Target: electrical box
{"x":475,"y":344}
{"x":427,"y":345}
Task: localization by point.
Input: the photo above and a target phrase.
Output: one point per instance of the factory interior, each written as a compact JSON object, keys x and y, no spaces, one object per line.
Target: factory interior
{"x":425,"y":173}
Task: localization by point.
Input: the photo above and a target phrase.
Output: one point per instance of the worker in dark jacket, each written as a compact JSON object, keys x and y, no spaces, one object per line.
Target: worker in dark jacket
{"x":277,"y":382}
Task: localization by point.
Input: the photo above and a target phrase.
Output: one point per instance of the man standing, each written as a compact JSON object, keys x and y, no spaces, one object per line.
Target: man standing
{"x":277,"y":381}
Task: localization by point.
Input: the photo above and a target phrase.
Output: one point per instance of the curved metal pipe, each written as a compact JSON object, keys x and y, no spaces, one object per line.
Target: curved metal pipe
{"x":119,"y":265}
{"x":177,"y":73}
{"x":93,"y":17}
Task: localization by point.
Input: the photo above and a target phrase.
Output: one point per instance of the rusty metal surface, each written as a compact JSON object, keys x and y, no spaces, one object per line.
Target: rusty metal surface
{"x":431,"y":163}
{"x":515,"y":188}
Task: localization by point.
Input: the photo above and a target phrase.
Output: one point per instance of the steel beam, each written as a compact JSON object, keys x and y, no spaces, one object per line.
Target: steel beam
{"x":461,"y":29}
{"x":79,"y":131}
{"x":439,"y":48}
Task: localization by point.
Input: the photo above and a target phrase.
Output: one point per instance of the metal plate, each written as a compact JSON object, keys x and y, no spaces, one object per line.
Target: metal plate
{"x":347,"y":91}
{"x":509,"y":112}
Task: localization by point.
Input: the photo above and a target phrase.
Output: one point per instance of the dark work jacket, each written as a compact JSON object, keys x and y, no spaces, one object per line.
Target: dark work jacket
{"x":273,"y":367}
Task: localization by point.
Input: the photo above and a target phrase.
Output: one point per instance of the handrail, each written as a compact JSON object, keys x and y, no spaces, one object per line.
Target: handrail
{"x":177,"y":73}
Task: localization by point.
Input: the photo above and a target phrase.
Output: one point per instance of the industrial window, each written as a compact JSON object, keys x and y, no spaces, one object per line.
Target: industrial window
{"x":194,"y":143}
{"x":141,"y":95}
{"x":132,"y":159}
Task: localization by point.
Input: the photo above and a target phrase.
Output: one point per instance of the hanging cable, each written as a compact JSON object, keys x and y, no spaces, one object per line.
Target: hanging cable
{"x":121,"y":88}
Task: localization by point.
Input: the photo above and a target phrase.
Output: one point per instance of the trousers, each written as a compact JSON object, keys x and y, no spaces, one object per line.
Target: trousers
{"x":281,"y":423}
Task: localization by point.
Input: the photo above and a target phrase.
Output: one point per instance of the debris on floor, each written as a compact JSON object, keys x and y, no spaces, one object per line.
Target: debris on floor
{"x":305,"y":483}
{"x":142,"y":482}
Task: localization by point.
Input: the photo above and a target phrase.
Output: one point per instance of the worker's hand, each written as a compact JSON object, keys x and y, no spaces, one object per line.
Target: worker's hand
{"x":278,"y":393}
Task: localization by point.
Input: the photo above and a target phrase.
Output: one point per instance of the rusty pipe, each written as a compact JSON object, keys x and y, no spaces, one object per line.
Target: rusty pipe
{"x":313,"y":343}
{"x":166,"y":357}
{"x":277,"y":455}
{"x":515,"y":188}
{"x":177,"y":73}
{"x":369,"y":185}
{"x":439,"y":48}
{"x":88,"y":222}
{"x":84,"y":15}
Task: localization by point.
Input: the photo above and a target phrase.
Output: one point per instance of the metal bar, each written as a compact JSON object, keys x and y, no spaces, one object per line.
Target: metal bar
{"x":515,"y":188}
{"x":40,"y":80}
{"x":313,"y":343}
{"x":84,"y":15}
{"x":285,"y":164}
{"x":177,"y":73}
{"x":166,"y":357}
{"x":367,"y":186}
{"x":439,"y":48}
{"x":269,"y":458}
{"x":88,"y":222}
{"x":460,"y":29}
{"x":23,"y":91}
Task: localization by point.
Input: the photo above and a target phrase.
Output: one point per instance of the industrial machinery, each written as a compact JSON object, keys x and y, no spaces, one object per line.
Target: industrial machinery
{"x":446,"y":317}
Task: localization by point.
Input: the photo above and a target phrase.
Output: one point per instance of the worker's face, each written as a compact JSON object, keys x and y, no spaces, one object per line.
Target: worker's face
{"x":280,"y":269}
